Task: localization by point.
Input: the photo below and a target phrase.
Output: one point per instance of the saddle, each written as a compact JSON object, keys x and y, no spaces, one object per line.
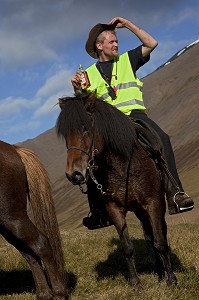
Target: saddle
{"x":152,"y":144}
{"x":148,"y":139}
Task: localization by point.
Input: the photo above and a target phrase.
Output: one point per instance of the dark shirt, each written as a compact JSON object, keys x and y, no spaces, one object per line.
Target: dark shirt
{"x":136,"y":59}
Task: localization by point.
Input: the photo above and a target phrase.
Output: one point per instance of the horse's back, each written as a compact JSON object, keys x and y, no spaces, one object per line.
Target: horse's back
{"x":12,"y":179}
{"x":12,"y":166}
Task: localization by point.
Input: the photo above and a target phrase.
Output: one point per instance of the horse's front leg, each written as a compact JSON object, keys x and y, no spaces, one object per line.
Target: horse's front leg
{"x":118,"y":217}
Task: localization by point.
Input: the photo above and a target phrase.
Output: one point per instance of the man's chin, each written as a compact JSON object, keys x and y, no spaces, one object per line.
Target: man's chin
{"x":115,"y":53}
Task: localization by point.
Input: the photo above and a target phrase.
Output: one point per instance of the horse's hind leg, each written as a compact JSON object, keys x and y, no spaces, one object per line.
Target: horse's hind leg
{"x":42,"y":289}
{"x":36,"y":248}
{"x":156,"y":229}
{"x":162,"y":249}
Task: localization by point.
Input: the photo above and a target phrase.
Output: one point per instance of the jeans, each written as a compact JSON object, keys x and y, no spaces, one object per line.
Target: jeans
{"x":168,"y":151}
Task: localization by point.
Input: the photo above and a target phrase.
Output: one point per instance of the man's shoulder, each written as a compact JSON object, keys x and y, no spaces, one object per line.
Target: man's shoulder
{"x":91,"y":66}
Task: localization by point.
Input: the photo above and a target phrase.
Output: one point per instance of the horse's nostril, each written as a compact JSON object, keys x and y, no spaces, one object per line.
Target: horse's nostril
{"x":76,"y":177}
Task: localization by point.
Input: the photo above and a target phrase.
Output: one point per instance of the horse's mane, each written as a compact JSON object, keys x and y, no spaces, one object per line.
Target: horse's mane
{"x":72,"y":117}
{"x":115,"y":127}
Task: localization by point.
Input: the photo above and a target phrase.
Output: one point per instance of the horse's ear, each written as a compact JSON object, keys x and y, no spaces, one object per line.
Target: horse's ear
{"x":61,"y":102}
{"x":90,"y":102}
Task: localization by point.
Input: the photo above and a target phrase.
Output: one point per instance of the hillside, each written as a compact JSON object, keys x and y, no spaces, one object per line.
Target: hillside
{"x":171,"y":96}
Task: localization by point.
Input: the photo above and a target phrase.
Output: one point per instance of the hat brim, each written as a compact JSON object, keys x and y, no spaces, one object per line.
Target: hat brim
{"x":93,"y":34}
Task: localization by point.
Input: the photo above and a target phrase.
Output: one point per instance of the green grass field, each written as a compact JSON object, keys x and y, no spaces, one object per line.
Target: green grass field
{"x":98,"y":271}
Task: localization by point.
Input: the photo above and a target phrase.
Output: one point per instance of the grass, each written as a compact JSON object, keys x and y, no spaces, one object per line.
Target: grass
{"x":97,"y":269}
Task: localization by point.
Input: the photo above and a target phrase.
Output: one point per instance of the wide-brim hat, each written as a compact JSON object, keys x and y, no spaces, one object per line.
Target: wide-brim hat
{"x":93,"y":34}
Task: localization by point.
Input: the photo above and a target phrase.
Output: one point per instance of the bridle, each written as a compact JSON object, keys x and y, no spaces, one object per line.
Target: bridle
{"x":79,"y":149}
{"x":91,"y":163}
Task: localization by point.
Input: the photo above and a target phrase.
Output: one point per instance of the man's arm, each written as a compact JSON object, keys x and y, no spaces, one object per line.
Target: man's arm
{"x":148,"y":42}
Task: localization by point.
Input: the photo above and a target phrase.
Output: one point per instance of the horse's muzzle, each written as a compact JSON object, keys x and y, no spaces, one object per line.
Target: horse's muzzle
{"x":76,"y":178}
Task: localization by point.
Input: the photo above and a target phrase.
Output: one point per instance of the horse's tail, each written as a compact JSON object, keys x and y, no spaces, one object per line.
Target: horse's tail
{"x":42,"y":205}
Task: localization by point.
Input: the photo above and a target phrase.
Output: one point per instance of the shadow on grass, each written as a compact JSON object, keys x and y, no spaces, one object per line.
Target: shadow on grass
{"x":144,"y":260}
{"x":17,"y":282}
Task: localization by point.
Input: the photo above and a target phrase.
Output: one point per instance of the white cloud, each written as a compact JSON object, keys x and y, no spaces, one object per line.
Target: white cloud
{"x":188,"y":13}
{"x":16,"y":50}
{"x":55,"y":87}
{"x":30,"y":113}
{"x":29,"y":125}
{"x":11,"y":106}
{"x":39,"y":31}
{"x":55,"y":83}
{"x":37,"y":35}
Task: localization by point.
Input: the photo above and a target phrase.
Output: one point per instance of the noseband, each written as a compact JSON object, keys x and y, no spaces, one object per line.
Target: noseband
{"x":80,"y":149}
{"x":92,"y":166}
{"x":91,"y":163}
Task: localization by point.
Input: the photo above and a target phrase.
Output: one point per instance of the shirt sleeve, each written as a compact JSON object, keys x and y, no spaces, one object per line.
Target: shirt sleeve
{"x":136,"y":58}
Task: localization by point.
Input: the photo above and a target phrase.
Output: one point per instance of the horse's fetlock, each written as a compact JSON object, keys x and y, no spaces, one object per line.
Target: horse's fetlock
{"x":45,"y":296}
{"x":161,"y":246}
{"x":135,"y":282}
{"x":60,"y":294}
{"x":171,"y":279}
{"x":129,"y":252}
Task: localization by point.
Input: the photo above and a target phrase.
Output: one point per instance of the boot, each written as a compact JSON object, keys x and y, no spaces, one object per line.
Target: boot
{"x":180,"y":203}
{"x":96,"y":220}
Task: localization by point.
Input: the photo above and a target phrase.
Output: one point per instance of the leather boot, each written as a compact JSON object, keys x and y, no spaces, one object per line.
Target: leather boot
{"x":96,"y":220}
{"x":180,"y":203}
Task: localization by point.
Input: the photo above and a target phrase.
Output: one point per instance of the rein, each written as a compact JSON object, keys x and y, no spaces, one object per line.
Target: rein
{"x":93,"y":167}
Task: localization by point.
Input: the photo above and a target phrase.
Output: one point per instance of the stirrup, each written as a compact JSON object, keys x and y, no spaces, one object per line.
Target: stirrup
{"x":181,"y":209}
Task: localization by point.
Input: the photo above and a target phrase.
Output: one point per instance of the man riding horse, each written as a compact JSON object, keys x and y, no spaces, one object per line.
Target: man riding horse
{"x":114,"y":79}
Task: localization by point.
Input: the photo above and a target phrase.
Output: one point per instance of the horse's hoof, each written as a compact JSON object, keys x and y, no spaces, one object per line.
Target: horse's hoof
{"x":135,"y":282}
{"x":45,"y":296}
{"x":172,"y":281}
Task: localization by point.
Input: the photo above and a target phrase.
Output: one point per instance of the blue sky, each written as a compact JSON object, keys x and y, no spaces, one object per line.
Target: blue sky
{"x":42,"y":44}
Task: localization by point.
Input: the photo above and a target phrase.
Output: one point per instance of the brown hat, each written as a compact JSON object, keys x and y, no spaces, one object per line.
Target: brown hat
{"x":93,"y":34}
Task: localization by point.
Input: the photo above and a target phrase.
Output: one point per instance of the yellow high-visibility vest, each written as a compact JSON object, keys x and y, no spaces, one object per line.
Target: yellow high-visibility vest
{"x":128,"y":87}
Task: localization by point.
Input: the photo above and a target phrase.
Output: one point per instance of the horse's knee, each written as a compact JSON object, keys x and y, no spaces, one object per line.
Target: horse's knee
{"x":161,"y":246}
{"x":43,"y":248}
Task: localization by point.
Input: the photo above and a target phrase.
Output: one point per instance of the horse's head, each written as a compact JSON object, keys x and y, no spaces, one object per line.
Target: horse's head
{"x":91,"y":127}
{"x":77,"y":126}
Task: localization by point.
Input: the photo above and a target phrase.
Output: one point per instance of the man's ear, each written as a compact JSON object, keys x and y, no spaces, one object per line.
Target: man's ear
{"x":98,"y":46}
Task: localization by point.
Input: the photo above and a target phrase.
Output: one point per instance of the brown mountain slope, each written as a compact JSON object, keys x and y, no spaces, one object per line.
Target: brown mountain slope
{"x":171,"y":96}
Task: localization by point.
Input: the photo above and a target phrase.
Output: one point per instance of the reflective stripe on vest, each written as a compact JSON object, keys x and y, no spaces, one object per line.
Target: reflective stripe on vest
{"x":129,"y":87}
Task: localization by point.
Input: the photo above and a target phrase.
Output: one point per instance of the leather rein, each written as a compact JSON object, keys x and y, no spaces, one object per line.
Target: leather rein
{"x":92,"y":167}
{"x":91,"y":164}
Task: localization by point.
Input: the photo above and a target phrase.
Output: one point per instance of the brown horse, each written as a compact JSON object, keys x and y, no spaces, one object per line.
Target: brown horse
{"x":22,"y":178}
{"x":104,"y":153}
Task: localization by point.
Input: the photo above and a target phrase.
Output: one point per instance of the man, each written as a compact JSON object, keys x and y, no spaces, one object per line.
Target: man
{"x":114,"y":79}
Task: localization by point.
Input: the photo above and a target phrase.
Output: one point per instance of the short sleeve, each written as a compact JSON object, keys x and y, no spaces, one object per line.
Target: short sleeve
{"x":136,"y":58}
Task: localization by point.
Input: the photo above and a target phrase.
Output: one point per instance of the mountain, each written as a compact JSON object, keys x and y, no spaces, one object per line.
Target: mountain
{"x":171,"y":96}
{"x":176,"y":55}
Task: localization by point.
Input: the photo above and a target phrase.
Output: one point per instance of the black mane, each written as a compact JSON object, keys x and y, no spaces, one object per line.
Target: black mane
{"x":115,"y":127}
{"x":72,"y":117}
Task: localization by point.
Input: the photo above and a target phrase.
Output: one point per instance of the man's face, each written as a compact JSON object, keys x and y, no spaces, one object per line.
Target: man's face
{"x":108,"y":45}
